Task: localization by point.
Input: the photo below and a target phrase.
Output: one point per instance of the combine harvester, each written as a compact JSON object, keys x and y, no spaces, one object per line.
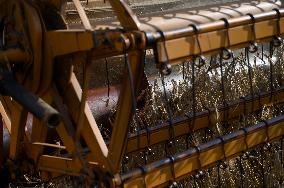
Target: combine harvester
{"x":143,"y":93}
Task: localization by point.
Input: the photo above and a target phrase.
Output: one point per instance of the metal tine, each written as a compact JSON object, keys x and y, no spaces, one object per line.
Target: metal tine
{"x":209,"y":113}
{"x":210,"y":67}
{"x":131,"y":80}
{"x":271,"y":50}
{"x":172,"y":141}
{"x":149,"y":150}
{"x":165,"y":67}
{"x":188,"y":68}
{"x":266,"y":130}
{"x":183,"y":70}
{"x":107,"y":78}
{"x":253,"y":45}
{"x":249,"y":75}
{"x":207,"y":130}
{"x":232,"y":66}
{"x":244,"y":115}
{"x":281,"y":148}
{"x":213,"y":60}
{"x":245,"y":154}
{"x":139,"y":123}
{"x":125,"y":161}
{"x":192,"y":122}
{"x":224,"y":165}
{"x":228,"y":53}
{"x":198,"y":156}
{"x":219,"y":165}
{"x":223,"y":147}
{"x":277,"y":41}
{"x":173,"y":183}
{"x":262,"y":52}
{"x":197,"y":171}
{"x":193,"y":93}
{"x":218,"y":174}
{"x":240,"y":159}
{"x":263,"y":150}
{"x":199,"y":176}
{"x":195,"y":182}
{"x":266,"y":146}
{"x":245,"y":134}
{"x":225,"y":104}
{"x":133,"y":93}
{"x":262,"y":167}
{"x":202,"y":59}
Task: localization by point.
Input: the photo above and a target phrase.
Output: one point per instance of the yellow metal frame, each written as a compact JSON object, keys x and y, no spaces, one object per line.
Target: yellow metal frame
{"x":188,"y":162}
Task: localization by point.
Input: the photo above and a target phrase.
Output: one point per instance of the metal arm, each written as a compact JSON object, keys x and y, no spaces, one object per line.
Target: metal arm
{"x":40,"y":109}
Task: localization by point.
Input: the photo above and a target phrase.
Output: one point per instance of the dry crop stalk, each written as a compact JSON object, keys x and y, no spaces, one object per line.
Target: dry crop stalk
{"x":41,"y":52}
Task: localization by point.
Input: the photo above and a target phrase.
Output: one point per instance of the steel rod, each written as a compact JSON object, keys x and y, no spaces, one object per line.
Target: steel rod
{"x":178,"y":45}
{"x":218,"y":25}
